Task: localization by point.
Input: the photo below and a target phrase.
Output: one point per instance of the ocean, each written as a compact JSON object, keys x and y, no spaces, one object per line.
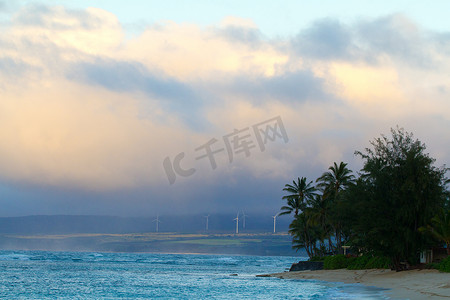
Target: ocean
{"x":84,"y":275}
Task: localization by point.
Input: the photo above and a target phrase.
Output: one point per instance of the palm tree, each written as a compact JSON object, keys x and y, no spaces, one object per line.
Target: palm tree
{"x":303,"y":235}
{"x":333,"y":183}
{"x":300,"y":193}
{"x":447,"y":194}
{"x":440,"y":228}
{"x":335,"y":180}
{"x":319,"y":215}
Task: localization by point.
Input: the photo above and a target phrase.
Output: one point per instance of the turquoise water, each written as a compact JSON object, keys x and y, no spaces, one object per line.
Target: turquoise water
{"x":82,"y":275}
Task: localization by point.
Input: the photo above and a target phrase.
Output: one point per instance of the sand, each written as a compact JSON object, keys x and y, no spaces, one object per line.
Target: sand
{"x":414,"y":284}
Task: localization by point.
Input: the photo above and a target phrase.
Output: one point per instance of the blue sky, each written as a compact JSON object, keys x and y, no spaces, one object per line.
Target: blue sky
{"x":96,"y":95}
{"x":273,"y":18}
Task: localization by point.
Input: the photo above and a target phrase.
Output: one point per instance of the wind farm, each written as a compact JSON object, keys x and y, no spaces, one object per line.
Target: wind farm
{"x":213,"y":234}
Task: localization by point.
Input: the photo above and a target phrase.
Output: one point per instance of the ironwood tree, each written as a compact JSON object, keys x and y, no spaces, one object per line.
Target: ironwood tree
{"x":399,"y":191}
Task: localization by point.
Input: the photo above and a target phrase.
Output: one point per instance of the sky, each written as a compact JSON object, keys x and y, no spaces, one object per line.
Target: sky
{"x":140,"y":108}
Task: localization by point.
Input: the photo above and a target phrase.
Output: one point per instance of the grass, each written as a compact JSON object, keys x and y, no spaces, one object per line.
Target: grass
{"x":162,"y":242}
{"x":217,"y":242}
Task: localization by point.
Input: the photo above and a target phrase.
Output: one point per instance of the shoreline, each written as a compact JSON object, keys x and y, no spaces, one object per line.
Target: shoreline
{"x":413,"y":284}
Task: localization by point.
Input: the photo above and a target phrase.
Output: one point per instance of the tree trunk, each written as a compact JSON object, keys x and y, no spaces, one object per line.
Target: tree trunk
{"x":307,"y":251}
{"x":397,"y":266}
{"x":307,"y":245}
{"x":330,"y":245}
{"x":339,"y":241}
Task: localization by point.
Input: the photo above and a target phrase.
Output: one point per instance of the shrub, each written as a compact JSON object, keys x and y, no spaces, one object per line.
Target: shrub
{"x":317,"y":258}
{"x":432,"y":266}
{"x":444,"y":265}
{"x":359,"y":262}
{"x":356,"y":263}
{"x":335,"y":262}
{"x":378,"y":262}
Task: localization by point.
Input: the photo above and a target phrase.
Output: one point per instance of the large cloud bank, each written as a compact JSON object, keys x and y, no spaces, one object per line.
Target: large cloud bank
{"x":85,"y":107}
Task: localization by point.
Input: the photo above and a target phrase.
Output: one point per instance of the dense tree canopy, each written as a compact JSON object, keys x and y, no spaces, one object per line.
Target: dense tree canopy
{"x":399,"y":190}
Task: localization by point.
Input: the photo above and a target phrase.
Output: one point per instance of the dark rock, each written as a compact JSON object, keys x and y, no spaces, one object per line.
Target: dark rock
{"x":306,"y":265}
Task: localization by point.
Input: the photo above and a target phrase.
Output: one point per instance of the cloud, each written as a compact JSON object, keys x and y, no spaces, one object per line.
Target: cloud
{"x":91,"y":31}
{"x":240,"y":31}
{"x":189,"y":53}
{"x":298,"y":86}
{"x":121,"y":76}
{"x":396,"y":36}
{"x":74,"y":137}
{"x":85,"y":109}
{"x":129,"y":76}
{"x":12,"y":68}
{"x":371,"y":41}
{"x":325,"y":39}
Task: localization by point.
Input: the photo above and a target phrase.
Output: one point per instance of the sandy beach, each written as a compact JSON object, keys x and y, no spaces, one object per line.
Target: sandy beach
{"x":415,"y":284}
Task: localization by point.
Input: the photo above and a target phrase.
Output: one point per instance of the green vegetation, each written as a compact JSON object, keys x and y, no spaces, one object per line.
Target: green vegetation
{"x":299,"y":193}
{"x":397,"y":207}
{"x":340,"y":261}
{"x":218,"y":242}
{"x":433,"y":266}
{"x":335,"y":262}
{"x":369,"y":262}
{"x":444,"y":265}
{"x":320,"y":220}
{"x":378,"y":262}
{"x":317,"y":258}
{"x":440,"y":227}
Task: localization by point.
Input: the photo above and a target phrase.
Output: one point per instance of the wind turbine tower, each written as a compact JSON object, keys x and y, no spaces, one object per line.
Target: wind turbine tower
{"x":207,"y":221}
{"x":237,"y":223}
{"x":275,"y":222}
{"x":243,"y":220}
{"x":157,"y":222}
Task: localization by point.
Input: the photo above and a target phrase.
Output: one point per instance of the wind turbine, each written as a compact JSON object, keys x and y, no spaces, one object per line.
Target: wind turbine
{"x":237,"y":223}
{"x":157,"y":222}
{"x":275,"y":222}
{"x":243,"y":221}
{"x":207,"y":219}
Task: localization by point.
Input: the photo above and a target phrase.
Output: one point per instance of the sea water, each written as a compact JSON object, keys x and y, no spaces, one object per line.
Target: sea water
{"x":82,"y":275}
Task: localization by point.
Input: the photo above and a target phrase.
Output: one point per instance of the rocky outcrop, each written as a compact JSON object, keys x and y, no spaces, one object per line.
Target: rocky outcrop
{"x":306,"y":265}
